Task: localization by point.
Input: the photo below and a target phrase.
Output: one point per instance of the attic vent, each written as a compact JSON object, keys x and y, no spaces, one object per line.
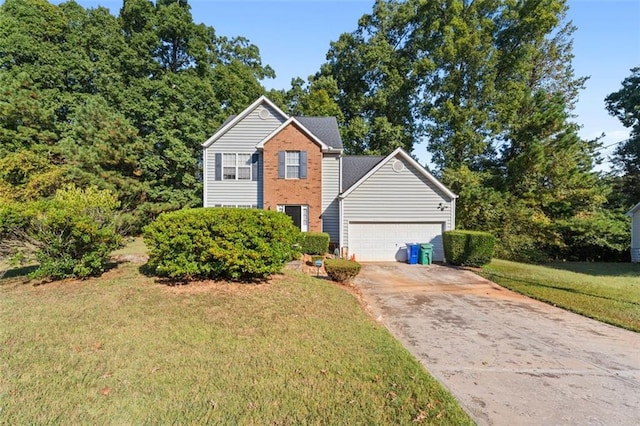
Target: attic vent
{"x":398,"y":166}
{"x":263,"y":113}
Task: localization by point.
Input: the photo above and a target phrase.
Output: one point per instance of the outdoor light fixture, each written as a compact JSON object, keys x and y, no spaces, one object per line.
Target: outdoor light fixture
{"x":442,"y":206}
{"x":318,"y":264}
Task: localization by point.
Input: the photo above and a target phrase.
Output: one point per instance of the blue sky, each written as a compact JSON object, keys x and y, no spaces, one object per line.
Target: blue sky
{"x":294,"y":36}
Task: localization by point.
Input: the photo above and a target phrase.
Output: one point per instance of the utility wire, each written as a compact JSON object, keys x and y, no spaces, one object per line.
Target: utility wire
{"x":610,"y":145}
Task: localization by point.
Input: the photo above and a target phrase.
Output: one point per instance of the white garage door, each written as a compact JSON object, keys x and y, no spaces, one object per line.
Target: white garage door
{"x":388,"y":241}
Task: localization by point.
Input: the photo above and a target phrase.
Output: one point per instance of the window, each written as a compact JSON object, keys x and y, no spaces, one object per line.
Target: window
{"x":238,"y":206}
{"x":229,"y":166}
{"x":236,"y":166}
{"x":244,"y":166}
{"x":292,"y":164}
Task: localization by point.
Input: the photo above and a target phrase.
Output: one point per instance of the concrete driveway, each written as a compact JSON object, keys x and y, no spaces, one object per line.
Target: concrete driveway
{"x":508,"y":359}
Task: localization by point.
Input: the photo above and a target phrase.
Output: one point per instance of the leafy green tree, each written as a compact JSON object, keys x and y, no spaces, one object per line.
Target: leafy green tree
{"x":102,"y":148}
{"x":489,"y":84}
{"x":625,"y":105}
{"x":318,"y":97}
{"x":120,"y":102}
{"x":372,"y":68}
{"x":24,"y":120}
{"x":551,"y":169}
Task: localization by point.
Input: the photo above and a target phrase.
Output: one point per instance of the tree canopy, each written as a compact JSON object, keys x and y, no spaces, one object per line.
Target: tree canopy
{"x":488,"y":84}
{"x":122,"y":102}
{"x":625,"y":105}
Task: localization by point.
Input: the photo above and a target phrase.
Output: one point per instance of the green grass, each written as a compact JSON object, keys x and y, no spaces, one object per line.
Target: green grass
{"x":124,"y":349}
{"x":609,"y":292}
{"x":133,"y":245}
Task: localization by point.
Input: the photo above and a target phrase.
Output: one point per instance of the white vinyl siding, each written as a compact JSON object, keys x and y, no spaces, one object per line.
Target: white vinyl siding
{"x":401,"y":196}
{"x":330,"y":191}
{"x":635,"y":237}
{"x":241,"y":138}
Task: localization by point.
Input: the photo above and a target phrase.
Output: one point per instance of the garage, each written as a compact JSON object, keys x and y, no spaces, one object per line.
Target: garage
{"x":387,"y":241}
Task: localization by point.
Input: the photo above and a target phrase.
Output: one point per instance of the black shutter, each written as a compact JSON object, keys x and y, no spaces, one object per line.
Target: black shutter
{"x":218,"y":166}
{"x":303,"y":164}
{"x":254,"y":167}
{"x":281,"y":165}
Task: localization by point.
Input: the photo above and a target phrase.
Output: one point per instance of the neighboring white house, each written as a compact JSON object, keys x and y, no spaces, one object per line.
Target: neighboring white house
{"x":635,"y":232}
{"x":371,"y":206}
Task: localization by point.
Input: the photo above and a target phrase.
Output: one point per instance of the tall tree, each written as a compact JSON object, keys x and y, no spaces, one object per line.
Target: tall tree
{"x":373,"y":71}
{"x":625,"y":105}
{"x":120,"y":102}
{"x":489,"y":84}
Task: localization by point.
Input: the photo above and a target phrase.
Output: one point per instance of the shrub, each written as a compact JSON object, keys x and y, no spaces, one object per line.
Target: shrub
{"x":341,"y":270}
{"x":70,"y":235}
{"x":601,"y":237}
{"x":314,"y":243}
{"x":220,"y":243}
{"x":470,"y":248}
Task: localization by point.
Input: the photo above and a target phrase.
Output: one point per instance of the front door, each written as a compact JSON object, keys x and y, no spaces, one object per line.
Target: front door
{"x":299,"y":214}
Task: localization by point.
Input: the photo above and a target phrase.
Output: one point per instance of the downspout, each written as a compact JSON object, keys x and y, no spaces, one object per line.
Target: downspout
{"x":205,"y":178}
{"x":340,"y":222}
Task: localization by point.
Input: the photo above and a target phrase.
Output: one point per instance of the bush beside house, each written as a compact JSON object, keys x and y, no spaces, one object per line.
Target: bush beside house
{"x":468,"y":248}
{"x":315,"y":243}
{"x":341,"y":270}
{"x":220,"y":243}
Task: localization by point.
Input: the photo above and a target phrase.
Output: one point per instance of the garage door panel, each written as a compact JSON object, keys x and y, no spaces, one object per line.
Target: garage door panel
{"x":387,"y":241}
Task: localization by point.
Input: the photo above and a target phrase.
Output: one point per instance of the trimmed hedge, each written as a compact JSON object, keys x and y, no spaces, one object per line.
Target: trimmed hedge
{"x":314,"y":243}
{"x":220,"y":243}
{"x":341,"y":270}
{"x":468,"y":248}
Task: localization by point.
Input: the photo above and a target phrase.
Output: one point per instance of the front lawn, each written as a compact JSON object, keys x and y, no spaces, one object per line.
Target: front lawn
{"x":124,"y":349}
{"x":609,"y":292}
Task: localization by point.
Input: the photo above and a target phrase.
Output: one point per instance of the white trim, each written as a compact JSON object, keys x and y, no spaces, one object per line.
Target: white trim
{"x":340,"y":207}
{"x":633,"y":210}
{"x":241,"y":116}
{"x":306,"y":131}
{"x":401,"y":220}
{"x":205,"y":178}
{"x":304,"y":214}
{"x":453,"y":215}
{"x":414,"y":163}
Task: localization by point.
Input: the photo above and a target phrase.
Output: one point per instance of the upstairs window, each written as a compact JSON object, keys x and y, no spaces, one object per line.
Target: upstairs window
{"x":292,"y":164}
{"x":229,"y":166}
{"x":236,"y":166}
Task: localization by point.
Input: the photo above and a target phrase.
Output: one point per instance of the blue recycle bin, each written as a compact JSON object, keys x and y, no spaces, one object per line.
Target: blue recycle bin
{"x":412,"y":253}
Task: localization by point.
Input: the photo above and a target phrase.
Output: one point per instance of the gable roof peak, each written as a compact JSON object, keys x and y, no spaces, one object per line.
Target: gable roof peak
{"x":397,"y":152}
{"x":633,"y":210}
{"x":230,"y":122}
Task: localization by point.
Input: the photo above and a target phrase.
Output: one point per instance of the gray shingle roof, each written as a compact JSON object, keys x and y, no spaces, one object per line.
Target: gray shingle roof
{"x":324,"y":128}
{"x":354,"y":167}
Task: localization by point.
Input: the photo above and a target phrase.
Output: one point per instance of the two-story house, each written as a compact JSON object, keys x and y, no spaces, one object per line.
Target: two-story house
{"x":371,"y":206}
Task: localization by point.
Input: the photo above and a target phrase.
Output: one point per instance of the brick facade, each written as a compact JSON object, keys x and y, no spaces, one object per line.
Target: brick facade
{"x":293,"y":191}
